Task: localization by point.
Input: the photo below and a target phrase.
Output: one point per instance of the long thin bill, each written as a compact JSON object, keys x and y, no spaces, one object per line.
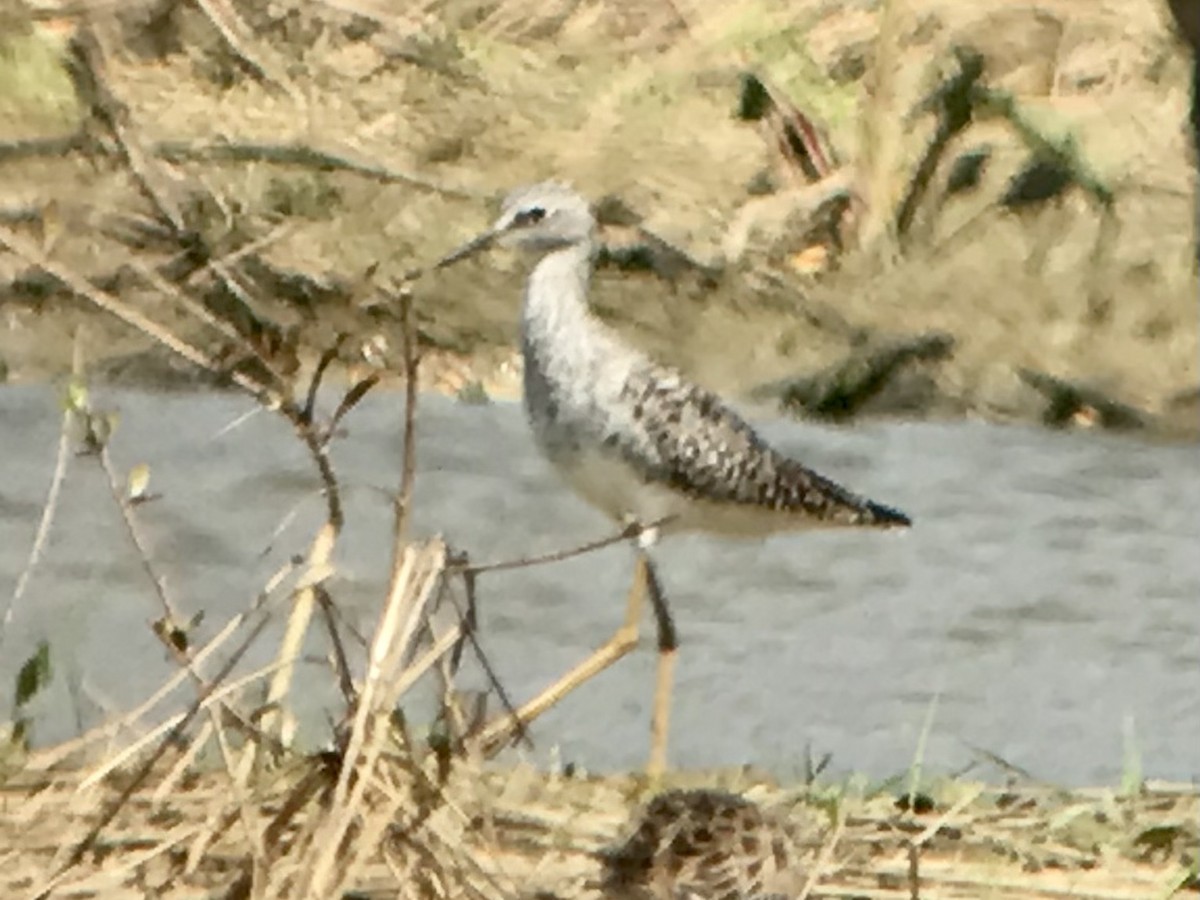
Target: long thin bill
{"x":470,"y":248}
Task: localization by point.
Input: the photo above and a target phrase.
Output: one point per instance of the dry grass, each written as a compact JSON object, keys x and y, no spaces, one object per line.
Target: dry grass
{"x":415,"y":831}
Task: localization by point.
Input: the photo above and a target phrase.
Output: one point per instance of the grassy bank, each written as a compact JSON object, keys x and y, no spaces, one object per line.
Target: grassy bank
{"x":278,"y":174}
{"x":520,"y":832}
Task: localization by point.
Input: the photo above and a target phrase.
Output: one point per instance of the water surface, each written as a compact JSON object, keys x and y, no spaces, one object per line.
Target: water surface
{"x":1046,"y":597}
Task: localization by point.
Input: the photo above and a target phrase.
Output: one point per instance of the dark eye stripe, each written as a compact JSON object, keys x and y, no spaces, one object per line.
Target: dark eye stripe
{"x":530,"y":216}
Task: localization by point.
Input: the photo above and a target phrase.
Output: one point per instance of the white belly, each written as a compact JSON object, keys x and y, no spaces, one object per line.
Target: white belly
{"x":610,"y":485}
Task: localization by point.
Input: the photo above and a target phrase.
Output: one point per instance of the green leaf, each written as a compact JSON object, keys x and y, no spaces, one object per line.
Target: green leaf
{"x":35,"y":674}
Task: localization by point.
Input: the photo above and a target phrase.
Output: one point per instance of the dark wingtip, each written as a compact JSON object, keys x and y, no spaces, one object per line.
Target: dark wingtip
{"x":886,"y":516}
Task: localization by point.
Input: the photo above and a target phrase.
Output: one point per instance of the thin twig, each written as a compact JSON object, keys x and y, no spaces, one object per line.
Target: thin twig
{"x":296,"y":154}
{"x":408,"y":464}
{"x":230,"y":26}
{"x":266,"y":396}
{"x":341,"y":660}
{"x":79,"y":286}
{"x":61,"y":459}
{"x":170,"y":612}
{"x":171,"y":615}
{"x":350,"y":400}
{"x":467,"y":621}
{"x":625,"y":534}
{"x":80,"y":850}
{"x":314,"y":384}
{"x":87,"y":58}
{"x":470,"y":615}
{"x":201,"y":312}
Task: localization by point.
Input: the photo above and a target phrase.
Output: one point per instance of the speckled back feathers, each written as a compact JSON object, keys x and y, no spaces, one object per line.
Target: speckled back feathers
{"x":695,"y":444}
{"x":707,"y":845}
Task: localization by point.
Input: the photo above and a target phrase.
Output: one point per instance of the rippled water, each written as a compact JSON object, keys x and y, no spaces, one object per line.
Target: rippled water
{"x":1047,"y":597}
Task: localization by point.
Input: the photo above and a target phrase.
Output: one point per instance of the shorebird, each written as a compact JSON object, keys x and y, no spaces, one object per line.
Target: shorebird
{"x":705,"y":844}
{"x":636,"y":439}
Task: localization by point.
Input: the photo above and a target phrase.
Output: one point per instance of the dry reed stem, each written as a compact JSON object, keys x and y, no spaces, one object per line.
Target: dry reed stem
{"x":540,"y":834}
{"x":318,"y":566}
{"x":70,"y":856}
{"x":246,"y":812}
{"x":238,"y":36}
{"x":185,"y":764}
{"x":201,"y":313}
{"x":421,"y":569}
{"x":47,"y":759}
{"x":218,"y":710}
{"x":962,"y":803}
{"x":403,"y":611}
{"x":110,"y":877}
{"x":440,"y":648}
{"x":96,"y":96}
{"x":34,"y":256}
{"x":62,"y":458}
{"x":825,"y":854}
{"x":268,"y":397}
{"x":115,"y":762}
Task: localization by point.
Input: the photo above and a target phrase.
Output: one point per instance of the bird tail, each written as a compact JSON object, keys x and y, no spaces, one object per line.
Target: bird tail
{"x":880,"y":515}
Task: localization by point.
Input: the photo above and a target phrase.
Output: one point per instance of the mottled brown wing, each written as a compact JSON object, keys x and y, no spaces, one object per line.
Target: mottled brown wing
{"x":688,"y":439}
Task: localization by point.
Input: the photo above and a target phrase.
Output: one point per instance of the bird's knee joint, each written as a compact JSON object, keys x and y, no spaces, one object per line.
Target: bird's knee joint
{"x":627,"y":637}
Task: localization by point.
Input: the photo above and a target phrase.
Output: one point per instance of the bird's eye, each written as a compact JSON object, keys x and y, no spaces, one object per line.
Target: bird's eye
{"x":530,"y":216}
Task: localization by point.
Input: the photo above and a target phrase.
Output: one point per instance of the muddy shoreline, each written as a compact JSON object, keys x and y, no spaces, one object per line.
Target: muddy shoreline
{"x":286,"y":204}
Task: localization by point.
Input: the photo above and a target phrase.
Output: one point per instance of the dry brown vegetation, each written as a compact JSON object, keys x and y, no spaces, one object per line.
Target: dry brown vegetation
{"x":301,"y":145}
{"x":232,"y":185}
{"x":523,"y":833}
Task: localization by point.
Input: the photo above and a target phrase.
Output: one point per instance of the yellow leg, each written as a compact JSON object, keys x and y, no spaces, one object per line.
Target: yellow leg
{"x":668,"y":644}
{"x":661,"y":721}
{"x":496,"y":733}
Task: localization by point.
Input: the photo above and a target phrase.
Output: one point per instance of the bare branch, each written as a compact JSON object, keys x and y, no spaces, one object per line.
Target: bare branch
{"x":91,"y":84}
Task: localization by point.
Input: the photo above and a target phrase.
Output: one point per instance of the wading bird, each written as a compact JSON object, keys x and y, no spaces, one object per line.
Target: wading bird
{"x":636,"y":439}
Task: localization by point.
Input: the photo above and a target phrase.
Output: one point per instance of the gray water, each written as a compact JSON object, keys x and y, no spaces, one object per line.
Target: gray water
{"x":1047,"y":597}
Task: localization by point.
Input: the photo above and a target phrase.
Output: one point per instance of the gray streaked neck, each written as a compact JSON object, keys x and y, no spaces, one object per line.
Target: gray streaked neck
{"x":556,"y":296}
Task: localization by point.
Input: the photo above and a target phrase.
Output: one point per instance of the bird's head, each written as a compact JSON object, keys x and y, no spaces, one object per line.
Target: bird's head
{"x":538,"y":218}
